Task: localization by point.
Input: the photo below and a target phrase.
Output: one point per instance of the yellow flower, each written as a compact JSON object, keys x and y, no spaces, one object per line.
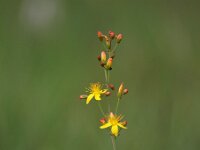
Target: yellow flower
{"x":114,"y":122}
{"x":95,"y":91}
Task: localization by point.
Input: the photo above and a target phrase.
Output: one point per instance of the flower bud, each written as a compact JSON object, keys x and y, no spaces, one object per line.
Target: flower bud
{"x":111,"y":86}
{"x":119,"y":38}
{"x":111,"y":115}
{"x":100,"y":36}
{"x":120,"y":90}
{"x":102,"y":120}
{"x":83,"y":96}
{"x":107,"y":93}
{"x":109,"y":63}
{"x":99,"y":57}
{"x":103,"y":56}
{"x":108,"y":42}
{"x":125,"y":91}
{"x":124,"y":123}
{"x":111,"y":34}
{"x":102,"y":64}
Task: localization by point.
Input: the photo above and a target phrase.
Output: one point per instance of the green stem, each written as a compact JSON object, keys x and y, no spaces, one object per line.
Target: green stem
{"x":106,"y":75}
{"x":102,"y":112}
{"x":113,"y":142}
{"x":117,"y":105}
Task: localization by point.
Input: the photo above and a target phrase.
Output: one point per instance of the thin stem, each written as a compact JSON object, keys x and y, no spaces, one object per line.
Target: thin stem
{"x":106,"y":75}
{"x":113,"y":142}
{"x":116,"y":45}
{"x":102,"y":112}
{"x":117,"y":105}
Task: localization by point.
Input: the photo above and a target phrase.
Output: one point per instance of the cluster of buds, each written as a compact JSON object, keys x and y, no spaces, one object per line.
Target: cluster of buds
{"x":104,"y":62}
{"x":108,"y":39}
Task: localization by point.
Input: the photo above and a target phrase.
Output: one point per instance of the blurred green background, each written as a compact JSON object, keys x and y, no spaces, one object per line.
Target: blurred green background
{"x":48,"y":52}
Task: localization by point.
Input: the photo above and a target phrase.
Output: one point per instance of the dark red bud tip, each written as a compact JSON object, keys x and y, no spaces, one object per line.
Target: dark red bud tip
{"x":100,"y":36}
{"x":83,"y":97}
{"x":107,"y":93}
{"x":119,"y":38}
{"x":111,"y":34}
{"x":102,"y":64}
{"x":125,"y":123}
{"x":125,"y":91}
{"x":102,"y":120}
{"x":99,"y":57}
{"x":111,"y":86}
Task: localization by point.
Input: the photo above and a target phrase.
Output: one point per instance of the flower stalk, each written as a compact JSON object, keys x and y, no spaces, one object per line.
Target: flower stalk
{"x":112,"y":122}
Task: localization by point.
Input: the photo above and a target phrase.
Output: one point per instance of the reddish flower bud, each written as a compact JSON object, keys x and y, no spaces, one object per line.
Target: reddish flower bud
{"x":109,"y":63}
{"x":111,"y":34}
{"x":111,"y":86}
{"x":124,"y":123}
{"x":99,"y":57}
{"x":100,"y":36}
{"x":102,"y":120}
{"x":83,"y":96}
{"x":107,"y":93}
{"x":119,"y":38}
{"x":125,"y":91}
{"x":102,"y":64}
{"x":103,"y":56}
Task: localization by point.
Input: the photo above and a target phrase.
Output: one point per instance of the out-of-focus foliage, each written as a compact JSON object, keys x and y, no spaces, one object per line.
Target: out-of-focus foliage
{"x":48,"y":52}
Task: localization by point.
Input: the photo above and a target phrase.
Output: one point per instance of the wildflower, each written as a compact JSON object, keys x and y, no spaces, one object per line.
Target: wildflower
{"x":125,"y":91}
{"x":114,"y":122}
{"x":111,"y":34}
{"x":111,"y":86}
{"x":100,"y":36}
{"x":120,"y":90}
{"x":103,"y":57}
{"x":109,"y":63}
{"x":95,"y":91}
{"x":119,"y":38}
{"x":108,"y":42}
{"x":83,"y":96}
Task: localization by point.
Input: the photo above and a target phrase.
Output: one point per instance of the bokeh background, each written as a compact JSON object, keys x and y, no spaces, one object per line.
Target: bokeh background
{"x":48,"y":52}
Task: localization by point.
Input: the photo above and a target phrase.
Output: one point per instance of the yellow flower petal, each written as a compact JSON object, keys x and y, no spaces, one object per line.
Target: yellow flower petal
{"x":89,"y":98}
{"x":97,"y":97}
{"x":115,"y":130}
{"x":120,"y":125}
{"x":106,"y":125}
{"x":104,"y":91}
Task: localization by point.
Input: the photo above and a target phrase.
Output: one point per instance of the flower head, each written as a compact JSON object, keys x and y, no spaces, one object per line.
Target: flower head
{"x":114,"y":122}
{"x":95,"y":91}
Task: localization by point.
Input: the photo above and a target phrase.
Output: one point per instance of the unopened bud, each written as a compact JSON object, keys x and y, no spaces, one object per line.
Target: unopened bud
{"x":125,"y":91}
{"x":108,"y":42}
{"x":111,"y":34}
{"x":109,"y":63}
{"x":102,"y":64}
{"x":124,"y":123}
{"x":111,"y":115}
{"x":103,"y":56}
{"x":99,"y":57}
{"x":120,"y":90}
{"x":119,"y":38}
{"x":100,"y":36}
{"x":102,"y":120}
{"x":83,"y":96}
{"x":111,"y":86}
{"x":107,"y":93}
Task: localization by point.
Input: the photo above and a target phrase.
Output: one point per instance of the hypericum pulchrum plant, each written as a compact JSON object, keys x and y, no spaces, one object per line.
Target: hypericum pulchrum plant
{"x":112,"y":121}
